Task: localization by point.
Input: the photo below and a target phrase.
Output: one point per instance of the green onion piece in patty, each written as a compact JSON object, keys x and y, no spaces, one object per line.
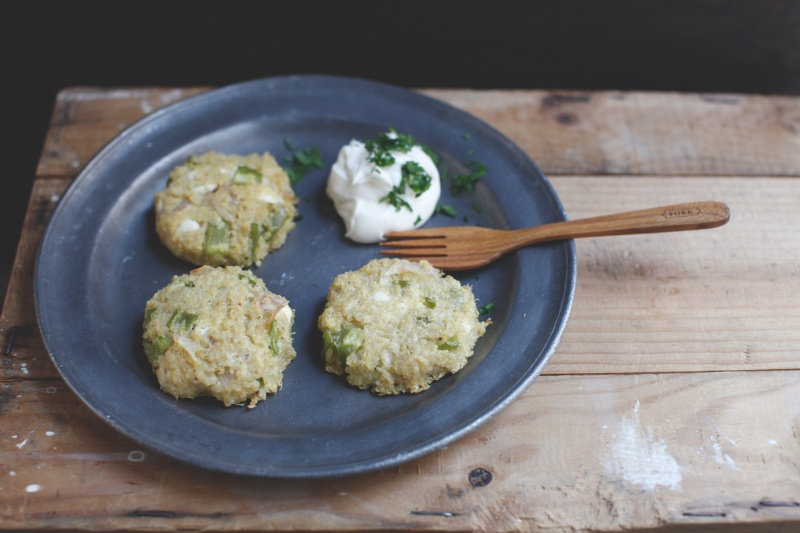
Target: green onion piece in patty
{"x":343,"y":343}
{"x":155,"y":348}
{"x":255,"y":234}
{"x":274,"y":340}
{"x":429,"y":302}
{"x":218,"y":240}
{"x":246,"y":176}
{"x":450,"y":344}
{"x":181,"y":319}
{"x":148,"y":315}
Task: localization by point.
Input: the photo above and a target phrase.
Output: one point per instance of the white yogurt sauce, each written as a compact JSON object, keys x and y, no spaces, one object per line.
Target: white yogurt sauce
{"x":356,"y":186}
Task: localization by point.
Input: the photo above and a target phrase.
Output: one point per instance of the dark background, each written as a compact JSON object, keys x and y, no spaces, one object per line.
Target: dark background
{"x":682,"y":45}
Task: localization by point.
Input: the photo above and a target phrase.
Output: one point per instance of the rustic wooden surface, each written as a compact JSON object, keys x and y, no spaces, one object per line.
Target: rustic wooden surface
{"x":672,"y":402}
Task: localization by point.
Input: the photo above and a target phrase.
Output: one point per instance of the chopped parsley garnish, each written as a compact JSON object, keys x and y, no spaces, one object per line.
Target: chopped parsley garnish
{"x":466,"y":136}
{"x":466,"y":182}
{"x":381,"y":158}
{"x":387,"y":142}
{"x":446,"y":209}
{"x":394,"y":197}
{"x":394,"y":141}
{"x":418,"y":220}
{"x":477,"y":207}
{"x":486,"y":309}
{"x":411,"y":173}
{"x":301,"y":162}
{"x":418,"y":180}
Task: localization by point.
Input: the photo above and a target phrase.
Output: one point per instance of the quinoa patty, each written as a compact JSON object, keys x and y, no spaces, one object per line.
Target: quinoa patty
{"x":396,"y":326}
{"x":219,"y":332}
{"x":225,"y":209}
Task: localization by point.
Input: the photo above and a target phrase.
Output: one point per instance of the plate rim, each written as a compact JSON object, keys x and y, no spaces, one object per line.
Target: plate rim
{"x":419,"y":450}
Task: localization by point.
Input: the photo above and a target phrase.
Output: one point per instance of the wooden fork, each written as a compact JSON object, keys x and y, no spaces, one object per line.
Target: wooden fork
{"x":466,"y":247}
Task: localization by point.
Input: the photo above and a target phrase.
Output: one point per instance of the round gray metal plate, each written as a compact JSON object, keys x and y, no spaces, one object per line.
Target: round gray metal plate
{"x":100,"y":260}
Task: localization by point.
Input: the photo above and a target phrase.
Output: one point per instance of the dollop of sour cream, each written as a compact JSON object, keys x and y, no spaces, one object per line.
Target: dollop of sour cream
{"x":359,"y":189}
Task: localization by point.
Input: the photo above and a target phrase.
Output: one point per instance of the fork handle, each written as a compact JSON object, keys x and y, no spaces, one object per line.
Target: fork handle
{"x":678,"y":217}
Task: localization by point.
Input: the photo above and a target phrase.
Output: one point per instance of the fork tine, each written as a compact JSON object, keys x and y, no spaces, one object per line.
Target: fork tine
{"x":425,"y":233}
{"x":449,"y":263}
{"x":419,"y":253}
{"x":433,"y":242}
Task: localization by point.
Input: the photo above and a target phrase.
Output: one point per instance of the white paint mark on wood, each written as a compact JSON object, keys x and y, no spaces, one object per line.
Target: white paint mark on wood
{"x":720,"y":456}
{"x":33,"y":488}
{"x":22,"y":444}
{"x":638,"y":458}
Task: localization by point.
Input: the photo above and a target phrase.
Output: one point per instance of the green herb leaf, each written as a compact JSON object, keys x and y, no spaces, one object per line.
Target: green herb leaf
{"x":395,"y":199}
{"x":446,"y":209}
{"x":415,"y":176}
{"x":387,"y":142}
{"x":381,"y":158}
{"x":465,"y":183}
{"x":486,"y":309}
{"x":302,"y":163}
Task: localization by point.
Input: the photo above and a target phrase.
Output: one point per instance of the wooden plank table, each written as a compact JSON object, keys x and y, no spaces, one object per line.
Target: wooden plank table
{"x":672,"y":402}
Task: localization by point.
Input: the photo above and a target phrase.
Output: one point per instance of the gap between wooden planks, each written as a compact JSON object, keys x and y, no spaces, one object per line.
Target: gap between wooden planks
{"x":565,"y":132}
{"x":571,"y":453}
{"x":712,"y":300}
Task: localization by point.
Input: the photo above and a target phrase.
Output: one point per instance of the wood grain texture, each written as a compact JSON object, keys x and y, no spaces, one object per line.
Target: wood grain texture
{"x":564,"y":132}
{"x":568,"y":132}
{"x":721,"y":299}
{"x":84,"y":119}
{"x":619,"y":448}
{"x":725,"y":298}
{"x":670,"y":403}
